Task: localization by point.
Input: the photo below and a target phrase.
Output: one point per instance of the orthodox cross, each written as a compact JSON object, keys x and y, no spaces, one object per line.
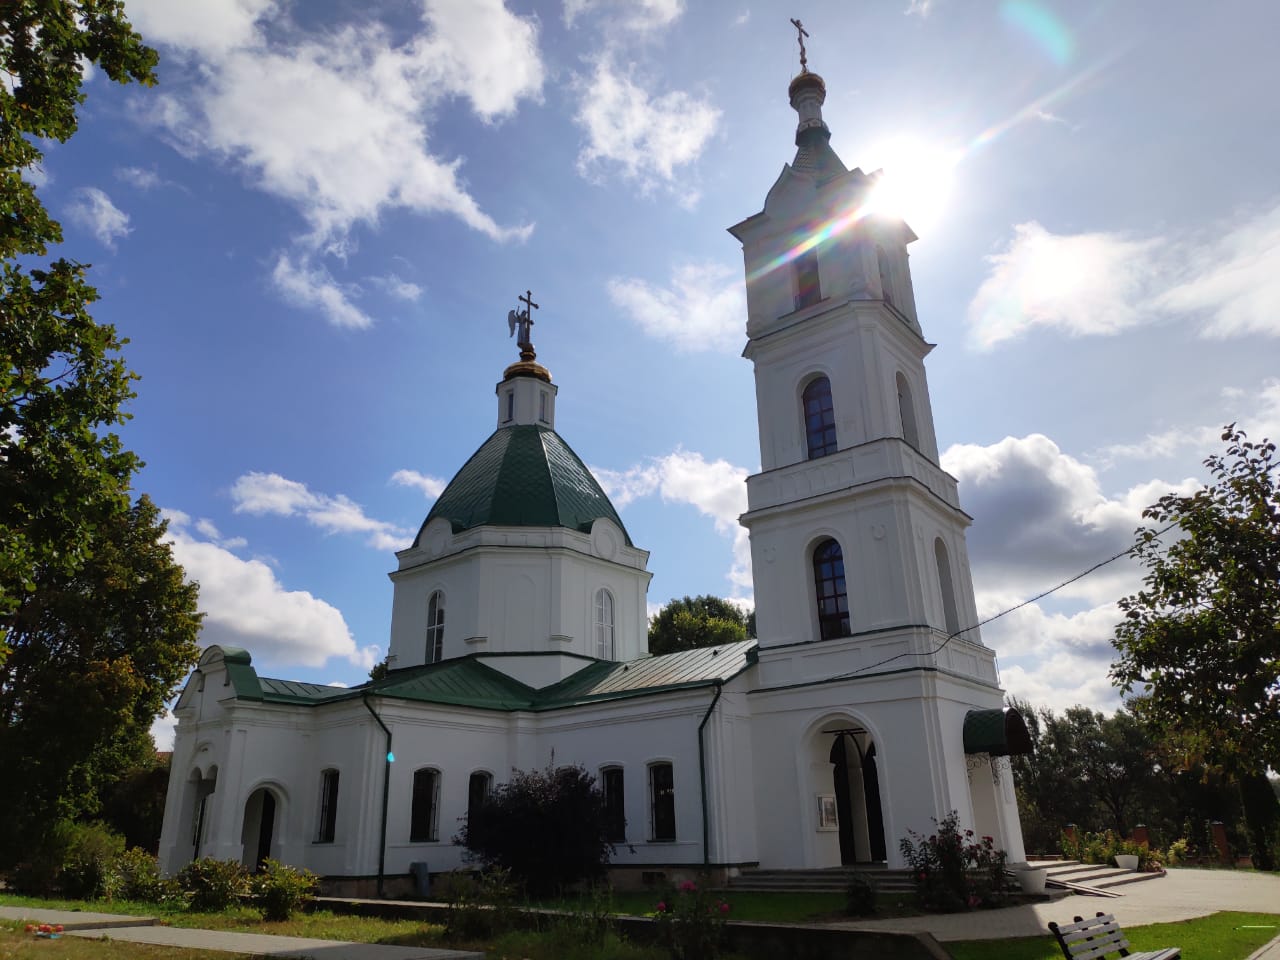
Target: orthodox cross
{"x":801,"y":33}
{"x":523,"y":321}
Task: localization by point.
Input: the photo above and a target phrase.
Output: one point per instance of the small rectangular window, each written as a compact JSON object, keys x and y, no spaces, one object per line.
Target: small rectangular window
{"x":808,"y":289}
{"x":511,"y":407}
{"x":615,"y":816}
{"x":662,"y":802}
{"x":542,"y":407}
{"x":328,"y":807}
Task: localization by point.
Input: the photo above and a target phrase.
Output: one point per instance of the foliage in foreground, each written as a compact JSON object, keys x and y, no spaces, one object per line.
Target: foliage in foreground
{"x":547,"y":827}
{"x":280,"y":891}
{"x":213,"y":885}
{"x":955,"y":871}
{"x":703,"y":621}
{"x":690,"y":920}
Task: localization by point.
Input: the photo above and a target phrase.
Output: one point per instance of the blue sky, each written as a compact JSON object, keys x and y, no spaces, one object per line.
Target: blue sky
{"x":313,"y":228}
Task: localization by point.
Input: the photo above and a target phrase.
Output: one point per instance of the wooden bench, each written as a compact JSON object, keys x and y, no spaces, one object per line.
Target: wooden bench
{"x":1095,"y":938}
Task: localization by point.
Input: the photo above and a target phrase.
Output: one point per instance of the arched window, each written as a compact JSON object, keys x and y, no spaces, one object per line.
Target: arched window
{"x":327,"y":824}
{"x":424,"y":814}
{"x":886,"y":277}
{"x":604,"y":624}
{"x":808,"y":289}
{"x":615,"y":809}
{"x":947,"y":587}
{"x":819,"y":418}
{"x":662,"y":802}
{"x":435,"y":627}
{"x":479,"y":786}
{"x":828,"y":580}
{"x":907,"y":411}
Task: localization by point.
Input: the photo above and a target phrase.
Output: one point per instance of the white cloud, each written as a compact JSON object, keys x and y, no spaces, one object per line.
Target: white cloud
{"x":1258,"y":414}
{"x":93,"y":210}
{"x":644,"y":136}
{"x":245,"y":605}
{"x":312,"y":287}
{"x":919,"y":8}
{"x":1092,"y":283}
{"x":1226,"y":279}
{"x":207,"y":529}
{"x":335,"y":123}
{"x":393,"y":286}
{"x":139,"y":177}
{"x":1040,"y":516}
{"x":269,"y":493}
{"x":716,"y":488}
{"x":703,"y":308}
{"x":431,"y":487}
{"x":641,"y":15}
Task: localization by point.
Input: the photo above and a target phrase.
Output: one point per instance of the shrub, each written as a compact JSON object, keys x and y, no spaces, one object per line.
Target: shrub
{"x":547,"y":827}
{"x":480,"y":904}
{"x":213,"y":885}
{"x":1177,"y":852}
{"x":71,"y":858}
{"x":135,"y":875}
{"x":690,"y":921}
{"x":859,"y":896}
{"x":279,"y":891}
{"x":954,"y":871}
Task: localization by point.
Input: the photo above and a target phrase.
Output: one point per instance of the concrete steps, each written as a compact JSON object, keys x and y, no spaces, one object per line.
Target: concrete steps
{"x":1092,"y":875}
{"x":830,"y":880}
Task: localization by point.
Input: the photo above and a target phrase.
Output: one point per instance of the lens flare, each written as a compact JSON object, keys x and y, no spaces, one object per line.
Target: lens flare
{"x":1039,"y":23}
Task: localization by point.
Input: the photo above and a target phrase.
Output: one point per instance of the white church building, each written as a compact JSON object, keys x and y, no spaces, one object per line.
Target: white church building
{"x":518,"y":627}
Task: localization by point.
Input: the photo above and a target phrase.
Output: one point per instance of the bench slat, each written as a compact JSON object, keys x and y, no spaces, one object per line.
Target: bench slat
{"x":1106,"y":918}
{"x":1097,"y":937}
{"x":1095,"y":951}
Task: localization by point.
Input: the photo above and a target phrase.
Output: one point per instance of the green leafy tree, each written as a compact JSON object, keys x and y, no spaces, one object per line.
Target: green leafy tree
{"x":62,"y":382}
{"x":1202,"y":637}
{"x":548,"y":827}
{"x":690,"y":622}
{"x":96,"y":654}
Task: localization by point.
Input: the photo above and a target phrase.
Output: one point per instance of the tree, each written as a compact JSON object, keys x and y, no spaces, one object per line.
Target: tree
{"x":62,"y":382}
{"x":96,"y":655}
{"x":1202,"y":637}
{"x":548,"y":827}
{"x":690,"y":622}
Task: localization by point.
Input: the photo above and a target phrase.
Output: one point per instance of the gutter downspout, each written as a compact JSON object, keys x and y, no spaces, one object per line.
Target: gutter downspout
{"x":386,"y":789}
{"x":702,"y":776}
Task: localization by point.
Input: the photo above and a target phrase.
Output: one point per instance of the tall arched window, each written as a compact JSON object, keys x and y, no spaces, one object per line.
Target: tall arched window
{"x":886,"y":276}
{"x":424,"y":813}
{"x":435,"y":627}
{"x":819,"y":418}
{"x":615,"y":808}
{"x":604,"y":625}
{"x":808,"y":288}
{"x":662,"y":802}
{"x":907,"y":411}
{"x":828,"y":580}
{"x":479,"y":786}
{"x":327,"y":822}
{"x":948,"y":588}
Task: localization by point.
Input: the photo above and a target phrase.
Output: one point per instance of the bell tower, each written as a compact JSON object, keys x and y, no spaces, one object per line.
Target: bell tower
{"x":857,"y":535}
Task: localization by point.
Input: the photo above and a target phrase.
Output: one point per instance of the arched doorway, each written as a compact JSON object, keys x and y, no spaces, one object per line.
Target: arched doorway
{"x":856,"y":784}
{"x":258,"y":833}
{"x":197,"y":807}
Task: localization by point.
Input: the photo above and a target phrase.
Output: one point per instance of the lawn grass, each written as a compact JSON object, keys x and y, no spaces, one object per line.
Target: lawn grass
{"x":15,"y":944}
{"x":1221,"y":936}
{"x":766,"y":907}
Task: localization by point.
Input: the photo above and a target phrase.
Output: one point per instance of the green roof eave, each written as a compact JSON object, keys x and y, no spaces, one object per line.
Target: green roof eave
{"x":999,"y":732}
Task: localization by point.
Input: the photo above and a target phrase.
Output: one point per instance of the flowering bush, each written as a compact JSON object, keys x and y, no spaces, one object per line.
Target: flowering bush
{"x":691,"y":922}
{"x":955,"y":870}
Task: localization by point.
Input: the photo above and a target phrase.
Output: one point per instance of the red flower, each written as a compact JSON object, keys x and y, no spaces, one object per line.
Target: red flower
{"x":662,"y":906}
{"x":724,"y":907}
{"x":688,"y":886}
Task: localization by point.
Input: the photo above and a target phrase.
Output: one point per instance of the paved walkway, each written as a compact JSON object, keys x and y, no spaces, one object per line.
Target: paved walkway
{"x":143,"y":930}
{"x":1181,"y":895}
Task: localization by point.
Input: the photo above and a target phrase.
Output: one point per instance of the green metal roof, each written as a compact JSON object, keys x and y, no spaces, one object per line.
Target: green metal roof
{"x":524,"y":476}
{"x":469,"y":682}
{"x":999,"y":732}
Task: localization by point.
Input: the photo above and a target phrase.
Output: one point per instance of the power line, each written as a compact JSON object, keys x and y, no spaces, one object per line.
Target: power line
{"x":1017,"y":606}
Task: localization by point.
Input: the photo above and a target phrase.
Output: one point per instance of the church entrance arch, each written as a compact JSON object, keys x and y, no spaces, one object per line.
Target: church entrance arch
{"x":855,"y":783}
{"x":259,"y":833}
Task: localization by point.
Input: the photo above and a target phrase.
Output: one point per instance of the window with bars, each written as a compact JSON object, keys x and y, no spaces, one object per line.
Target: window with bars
{"x":819,"y":418}
{"x":662,"y":802}
{"x":604,"y":625}
{"x":424,"y":812}
{"x":615,"y":812}
{"x":833,"y":601}
{"x":435,"y":628}
{"x":326,"y":829}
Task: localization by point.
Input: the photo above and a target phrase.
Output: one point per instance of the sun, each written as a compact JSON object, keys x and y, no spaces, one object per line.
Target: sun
{"x":916,"y":181}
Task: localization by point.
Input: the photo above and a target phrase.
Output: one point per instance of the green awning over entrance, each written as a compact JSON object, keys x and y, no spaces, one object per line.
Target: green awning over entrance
{"x":1000,"y":732}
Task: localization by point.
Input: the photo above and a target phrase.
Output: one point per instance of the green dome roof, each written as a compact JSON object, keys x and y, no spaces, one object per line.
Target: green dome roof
{"x":523,"y":476}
